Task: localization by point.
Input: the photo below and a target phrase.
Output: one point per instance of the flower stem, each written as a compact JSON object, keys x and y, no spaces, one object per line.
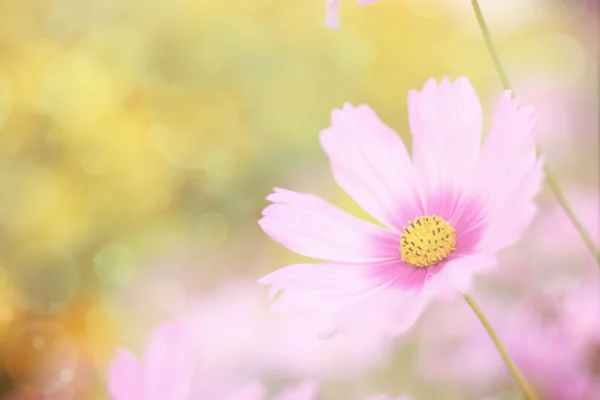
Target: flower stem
{"x":560,"y":196}
{"x":505,"y":357}
{"x":490,"y":45}
{"x":552,"y":181}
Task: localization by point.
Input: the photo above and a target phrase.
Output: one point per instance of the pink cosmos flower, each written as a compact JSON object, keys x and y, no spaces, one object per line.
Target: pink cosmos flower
{"x":333,"y":12}
{"x":165,"y":372}
{"x":272,"y":345}
{"x":446,"y":212}
{"x":556,"y":236}
{"x":557,"y":352}
{"x":203,"y":347}
{"x":169,"y":371}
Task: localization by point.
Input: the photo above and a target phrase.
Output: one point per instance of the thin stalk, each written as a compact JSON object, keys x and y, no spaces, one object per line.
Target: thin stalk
{"x":562,"y":200}
{"x":490,"y":45}
{"x":552,"y":181}
{"x":505,"y":357}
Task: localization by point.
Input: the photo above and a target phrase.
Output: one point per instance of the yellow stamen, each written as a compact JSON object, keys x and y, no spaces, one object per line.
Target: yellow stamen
{"x":426,"y":241}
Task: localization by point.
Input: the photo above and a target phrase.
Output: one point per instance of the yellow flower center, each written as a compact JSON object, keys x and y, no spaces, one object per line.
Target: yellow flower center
{"x":426,"y":241}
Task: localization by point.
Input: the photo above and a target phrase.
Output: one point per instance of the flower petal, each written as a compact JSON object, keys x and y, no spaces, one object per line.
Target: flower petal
{"x":125,"y":380}
{"x":445,"y":122}
{"x":507,"y":175}
{"x":507,"y":156}
{"x":168,"y":363}
{"x":332,"y":20}
{"x":506,"y":225}
{"x":390,"y":311}
{"x":456,"y":276}
{"x":383,"y":292}
{"x":310,"y":226}
{"x":370,"y":162}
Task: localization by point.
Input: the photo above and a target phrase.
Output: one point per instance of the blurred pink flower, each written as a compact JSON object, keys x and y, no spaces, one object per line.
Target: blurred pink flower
{"x":272,"y":345}
{"x":165,"y":372}
{"x":555,"y":232}
{"x":552,"y":254}
{"x":448,"y":211}
{"x":172,"y":369}
{"x":333,"y":12}
{"x":553,"y":338}
{"x":567,"y":128}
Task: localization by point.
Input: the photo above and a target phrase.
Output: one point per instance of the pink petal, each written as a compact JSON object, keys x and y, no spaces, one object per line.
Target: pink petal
{"x":370,"y":162}
{"x":308,"y":390}
{"x":345,"y":294}
{"x":389,"y":311}
{"x":506,"y":226}
{"x":445,"y":122}
{"x":332,"y":20}
{"x":168,"y":363}
{"x":456,"y":276}
{"x":507,"y":176}
{"x":365,"y":2}
{"x":125,"y":380}
{"x":507,"y":155}
{"x":466,"y":216}
{"x":310,"y":226}
{"x":329,"y":286}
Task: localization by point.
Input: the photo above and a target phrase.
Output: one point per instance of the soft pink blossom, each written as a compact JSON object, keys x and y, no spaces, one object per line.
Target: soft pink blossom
{"x":272,"y":346}
{"x":333,"y":12}
{"x":170,"y":370}
{"x":553,"y":338}
{"x":165,"y":372}
{"x":555,"y":233}
{"x":482,"y":195}
{"x":567,"y":115}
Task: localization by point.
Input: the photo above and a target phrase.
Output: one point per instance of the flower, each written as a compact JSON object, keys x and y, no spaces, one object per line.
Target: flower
{"x":272,"y":346}
{"x":447,"y":212}
{"x":557,"y":352}
{"x":333,"y":13}
{"x":218,"y":358}
{"x":169,"y":370}
{"x":166,"y":371}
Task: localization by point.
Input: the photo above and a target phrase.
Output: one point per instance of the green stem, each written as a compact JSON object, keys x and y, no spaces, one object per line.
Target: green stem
{"x":560,"y":196}
{"x":490,"y":45}
{"x":552,"y":181}
{"x":505,"y":357}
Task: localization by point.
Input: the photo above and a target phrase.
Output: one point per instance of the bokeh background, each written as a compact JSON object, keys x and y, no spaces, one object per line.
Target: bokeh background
{"x":138,"y":140}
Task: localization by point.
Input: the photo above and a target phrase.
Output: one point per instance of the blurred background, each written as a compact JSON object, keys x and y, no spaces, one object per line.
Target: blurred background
{"x":139,"y":139}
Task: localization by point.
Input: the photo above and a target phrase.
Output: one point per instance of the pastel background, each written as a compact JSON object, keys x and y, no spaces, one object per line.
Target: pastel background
{"x":138,"y":140}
